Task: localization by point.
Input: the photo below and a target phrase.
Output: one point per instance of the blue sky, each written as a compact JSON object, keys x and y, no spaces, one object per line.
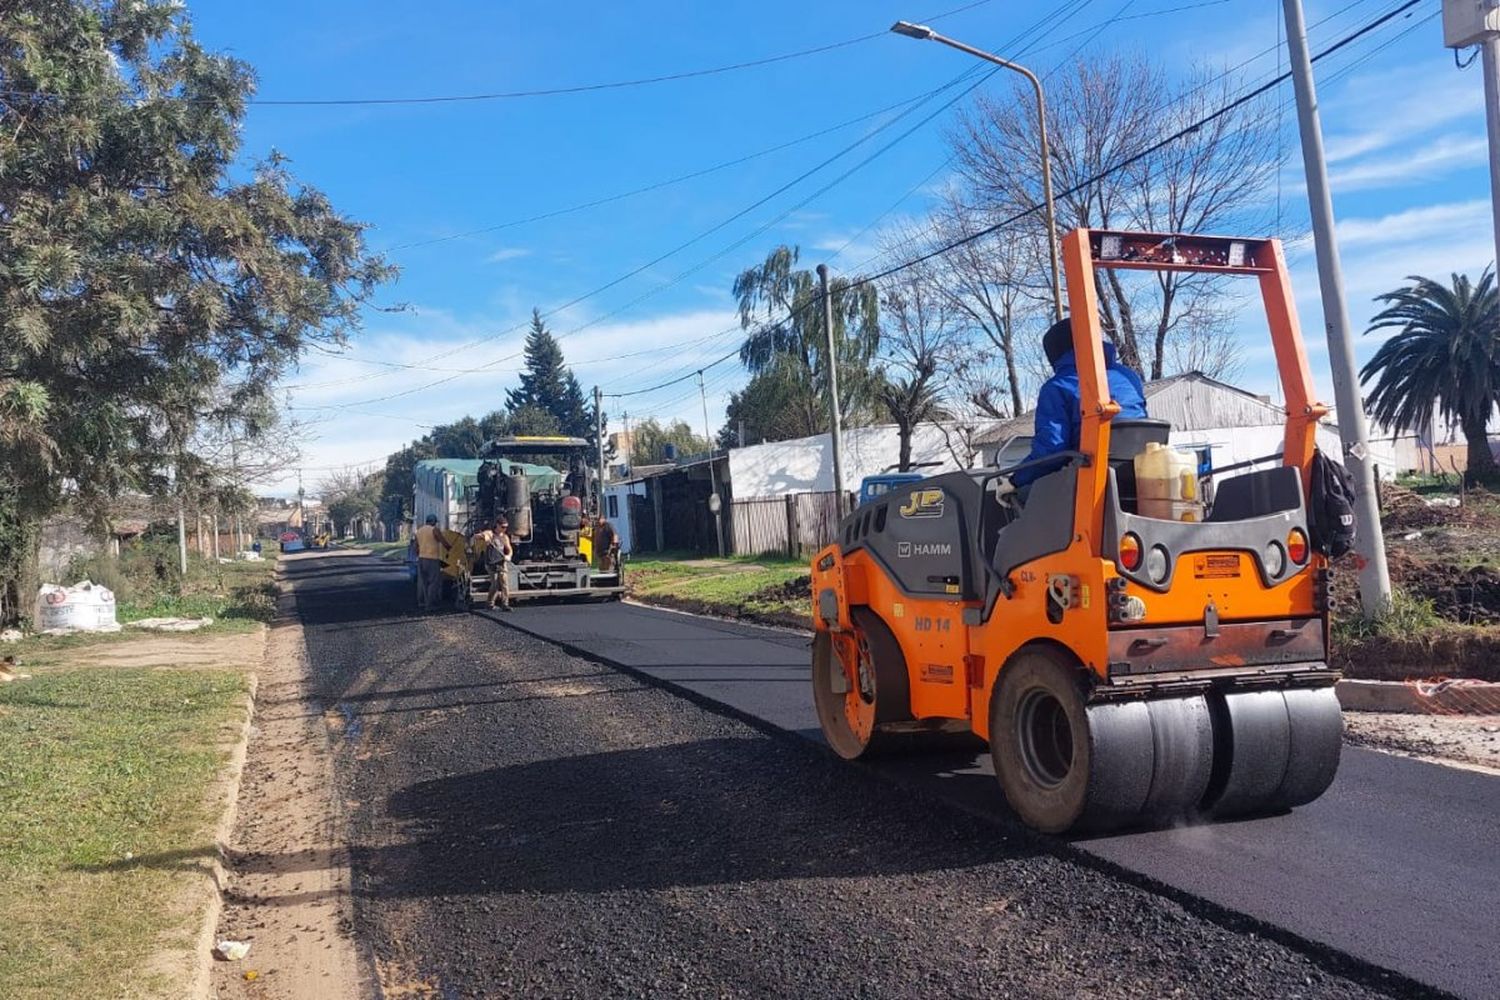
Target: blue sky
{"x":1404,"y":129}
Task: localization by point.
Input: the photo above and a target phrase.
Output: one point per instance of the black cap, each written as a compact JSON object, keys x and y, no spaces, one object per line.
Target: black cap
{"x":1058,"y":340}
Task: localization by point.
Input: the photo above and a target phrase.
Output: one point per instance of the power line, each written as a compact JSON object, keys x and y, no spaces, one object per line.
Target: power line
{"x":659,"y":185}
{"x":541,"y":92}
{"x":1137,"y":157}
{"x":1245,"y":98}
{"x":722,"y":224}
{"x":908,"y":107}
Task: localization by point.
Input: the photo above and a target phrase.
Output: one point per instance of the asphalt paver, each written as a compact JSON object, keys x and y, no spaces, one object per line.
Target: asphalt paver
{"x":524,"y":821}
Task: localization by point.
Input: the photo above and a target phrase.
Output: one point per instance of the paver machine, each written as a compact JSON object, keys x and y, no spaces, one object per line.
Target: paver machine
{"x":543,"y":487}
{"x":1125,"y":669}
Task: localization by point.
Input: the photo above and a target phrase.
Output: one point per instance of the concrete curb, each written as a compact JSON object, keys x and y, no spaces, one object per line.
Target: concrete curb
{"x":1449,"y":697}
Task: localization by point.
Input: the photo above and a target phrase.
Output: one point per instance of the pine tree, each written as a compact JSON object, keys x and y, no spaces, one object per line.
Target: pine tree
{"x":548,"y":384}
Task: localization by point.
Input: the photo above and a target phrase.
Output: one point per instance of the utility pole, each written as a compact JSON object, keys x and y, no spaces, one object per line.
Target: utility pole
{"x":836,"y":423}
{"x":1374,"y":579}
{"x":1468,"y":23}
{"x":181,"y":522}
{"x":599,"y":438}
{"x":715,"y":503}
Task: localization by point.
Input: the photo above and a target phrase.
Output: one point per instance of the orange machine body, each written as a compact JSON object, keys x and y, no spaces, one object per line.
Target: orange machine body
{"x":1221,"y":620}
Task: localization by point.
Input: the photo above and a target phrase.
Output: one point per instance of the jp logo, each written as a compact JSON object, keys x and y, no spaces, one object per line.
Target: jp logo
{"x":923,"y":503}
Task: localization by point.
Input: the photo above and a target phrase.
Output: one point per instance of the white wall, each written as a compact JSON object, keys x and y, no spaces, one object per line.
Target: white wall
{"x":623,"y":527}
{"x":805,"y":465}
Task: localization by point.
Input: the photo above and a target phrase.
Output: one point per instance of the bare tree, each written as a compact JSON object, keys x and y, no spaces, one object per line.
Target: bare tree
{"x":1101,"y":115}
{"x":917,"y":335}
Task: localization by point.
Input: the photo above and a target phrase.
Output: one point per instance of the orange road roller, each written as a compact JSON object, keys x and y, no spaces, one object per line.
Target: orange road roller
{"x":1132,"y":658}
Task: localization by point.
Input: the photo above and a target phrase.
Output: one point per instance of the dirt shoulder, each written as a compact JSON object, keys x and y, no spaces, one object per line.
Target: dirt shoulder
{"x":1472,"y":740}
{"x":288,"y":891}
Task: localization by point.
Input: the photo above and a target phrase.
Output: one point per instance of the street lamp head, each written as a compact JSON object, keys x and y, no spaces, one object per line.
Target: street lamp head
{"x":912,"y":30}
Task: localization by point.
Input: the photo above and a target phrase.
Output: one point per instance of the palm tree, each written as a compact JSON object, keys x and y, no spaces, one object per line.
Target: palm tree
{"x":1444,"y":357}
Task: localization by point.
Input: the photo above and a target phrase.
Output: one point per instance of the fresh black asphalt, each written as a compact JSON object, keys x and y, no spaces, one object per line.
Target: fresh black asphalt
{"x":1397,"y":864}
{"x":526,"y":821}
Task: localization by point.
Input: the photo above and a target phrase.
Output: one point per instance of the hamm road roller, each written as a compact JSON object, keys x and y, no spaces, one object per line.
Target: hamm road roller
{"x":1132,"y":656}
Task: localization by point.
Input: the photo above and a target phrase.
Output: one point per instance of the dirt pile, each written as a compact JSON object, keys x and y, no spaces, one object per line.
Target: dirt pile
{"x":1470,"y":596}
{"x":796,"y":589}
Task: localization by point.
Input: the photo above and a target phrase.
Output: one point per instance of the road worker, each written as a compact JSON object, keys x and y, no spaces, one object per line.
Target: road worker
{"x":1058,"y":416}
{"x":432,"y":546}
{"x":494,"y":547}
{"x":606,"y":546}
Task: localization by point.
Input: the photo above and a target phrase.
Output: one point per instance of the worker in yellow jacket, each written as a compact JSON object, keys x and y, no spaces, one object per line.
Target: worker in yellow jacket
{"x":431,"y":548}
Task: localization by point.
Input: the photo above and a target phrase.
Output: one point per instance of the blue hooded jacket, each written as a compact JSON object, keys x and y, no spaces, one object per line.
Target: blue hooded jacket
{"x":1059,"y":412}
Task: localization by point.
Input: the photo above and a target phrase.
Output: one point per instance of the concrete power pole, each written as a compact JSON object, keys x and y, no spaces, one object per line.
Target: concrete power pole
{"x":599,"y":438}
{"x":1468,"y":23}
{"x":715,"y":502}
{"x":1374,"y":580}
{"x":836,"y":422}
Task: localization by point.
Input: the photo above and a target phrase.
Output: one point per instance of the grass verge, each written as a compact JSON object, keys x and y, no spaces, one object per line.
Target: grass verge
{"x":762,"y":589}
{"x":107,"y":789}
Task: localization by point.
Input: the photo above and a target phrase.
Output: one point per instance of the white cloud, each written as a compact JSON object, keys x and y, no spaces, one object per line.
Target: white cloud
{"x":507,"y":253}
{"x":1429,"y":222}
{"x":1429,"y":160}
{"x":377,"y":409}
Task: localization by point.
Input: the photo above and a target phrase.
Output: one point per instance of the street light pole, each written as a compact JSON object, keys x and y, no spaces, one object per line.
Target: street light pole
{"x":921,"y":31}
{"x":836,"y":422}
{"x":1374,"y":579}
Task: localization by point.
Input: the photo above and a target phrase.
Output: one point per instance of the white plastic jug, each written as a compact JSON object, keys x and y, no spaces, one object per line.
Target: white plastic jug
{"x":1166,"y":484}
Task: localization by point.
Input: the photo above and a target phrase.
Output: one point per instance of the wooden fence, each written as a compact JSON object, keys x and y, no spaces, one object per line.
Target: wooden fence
{"x":795,"y":525}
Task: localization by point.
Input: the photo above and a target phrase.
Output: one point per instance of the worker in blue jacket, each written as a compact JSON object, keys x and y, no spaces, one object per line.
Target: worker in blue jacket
{"x":1058,"y":411}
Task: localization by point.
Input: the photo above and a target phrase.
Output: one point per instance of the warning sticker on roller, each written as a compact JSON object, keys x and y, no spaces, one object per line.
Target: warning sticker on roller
{"x":1216,"y":567}
{"x":937,"y":673}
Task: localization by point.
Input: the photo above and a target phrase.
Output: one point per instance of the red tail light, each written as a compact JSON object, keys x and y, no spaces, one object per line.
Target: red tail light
{"x":1296,"y":545}
{"x":1130,"y":552}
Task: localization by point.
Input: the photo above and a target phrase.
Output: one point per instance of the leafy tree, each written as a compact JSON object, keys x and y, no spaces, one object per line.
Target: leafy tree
{"x":1444,"y":358}
{"x":781,"y":307}
{"x":649,"y":440}
{"x":765,"y":408}
{"x":350,"y":496}
{"x":548,"y":384}
{"x":143,"y":289}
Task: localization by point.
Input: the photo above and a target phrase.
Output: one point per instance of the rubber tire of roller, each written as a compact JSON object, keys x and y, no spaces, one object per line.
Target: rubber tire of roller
{"x":892,"y":688}
{"x":1110,"y":774}
{"x":1274,"y":750}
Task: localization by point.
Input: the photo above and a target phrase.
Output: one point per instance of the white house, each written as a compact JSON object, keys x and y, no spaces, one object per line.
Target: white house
{"x":805,"y":465}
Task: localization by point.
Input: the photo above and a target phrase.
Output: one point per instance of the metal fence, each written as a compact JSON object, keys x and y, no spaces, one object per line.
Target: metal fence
{"x":795,"y":525}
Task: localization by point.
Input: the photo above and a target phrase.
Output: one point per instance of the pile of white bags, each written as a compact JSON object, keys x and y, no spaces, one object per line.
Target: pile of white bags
{"x":83,"y":607}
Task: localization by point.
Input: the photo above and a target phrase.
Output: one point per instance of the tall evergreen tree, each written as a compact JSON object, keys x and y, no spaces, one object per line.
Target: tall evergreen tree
{"x":548,"y":384}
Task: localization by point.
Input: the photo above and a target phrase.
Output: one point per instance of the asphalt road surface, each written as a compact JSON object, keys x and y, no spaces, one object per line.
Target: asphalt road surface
{"x":527,"y":821}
